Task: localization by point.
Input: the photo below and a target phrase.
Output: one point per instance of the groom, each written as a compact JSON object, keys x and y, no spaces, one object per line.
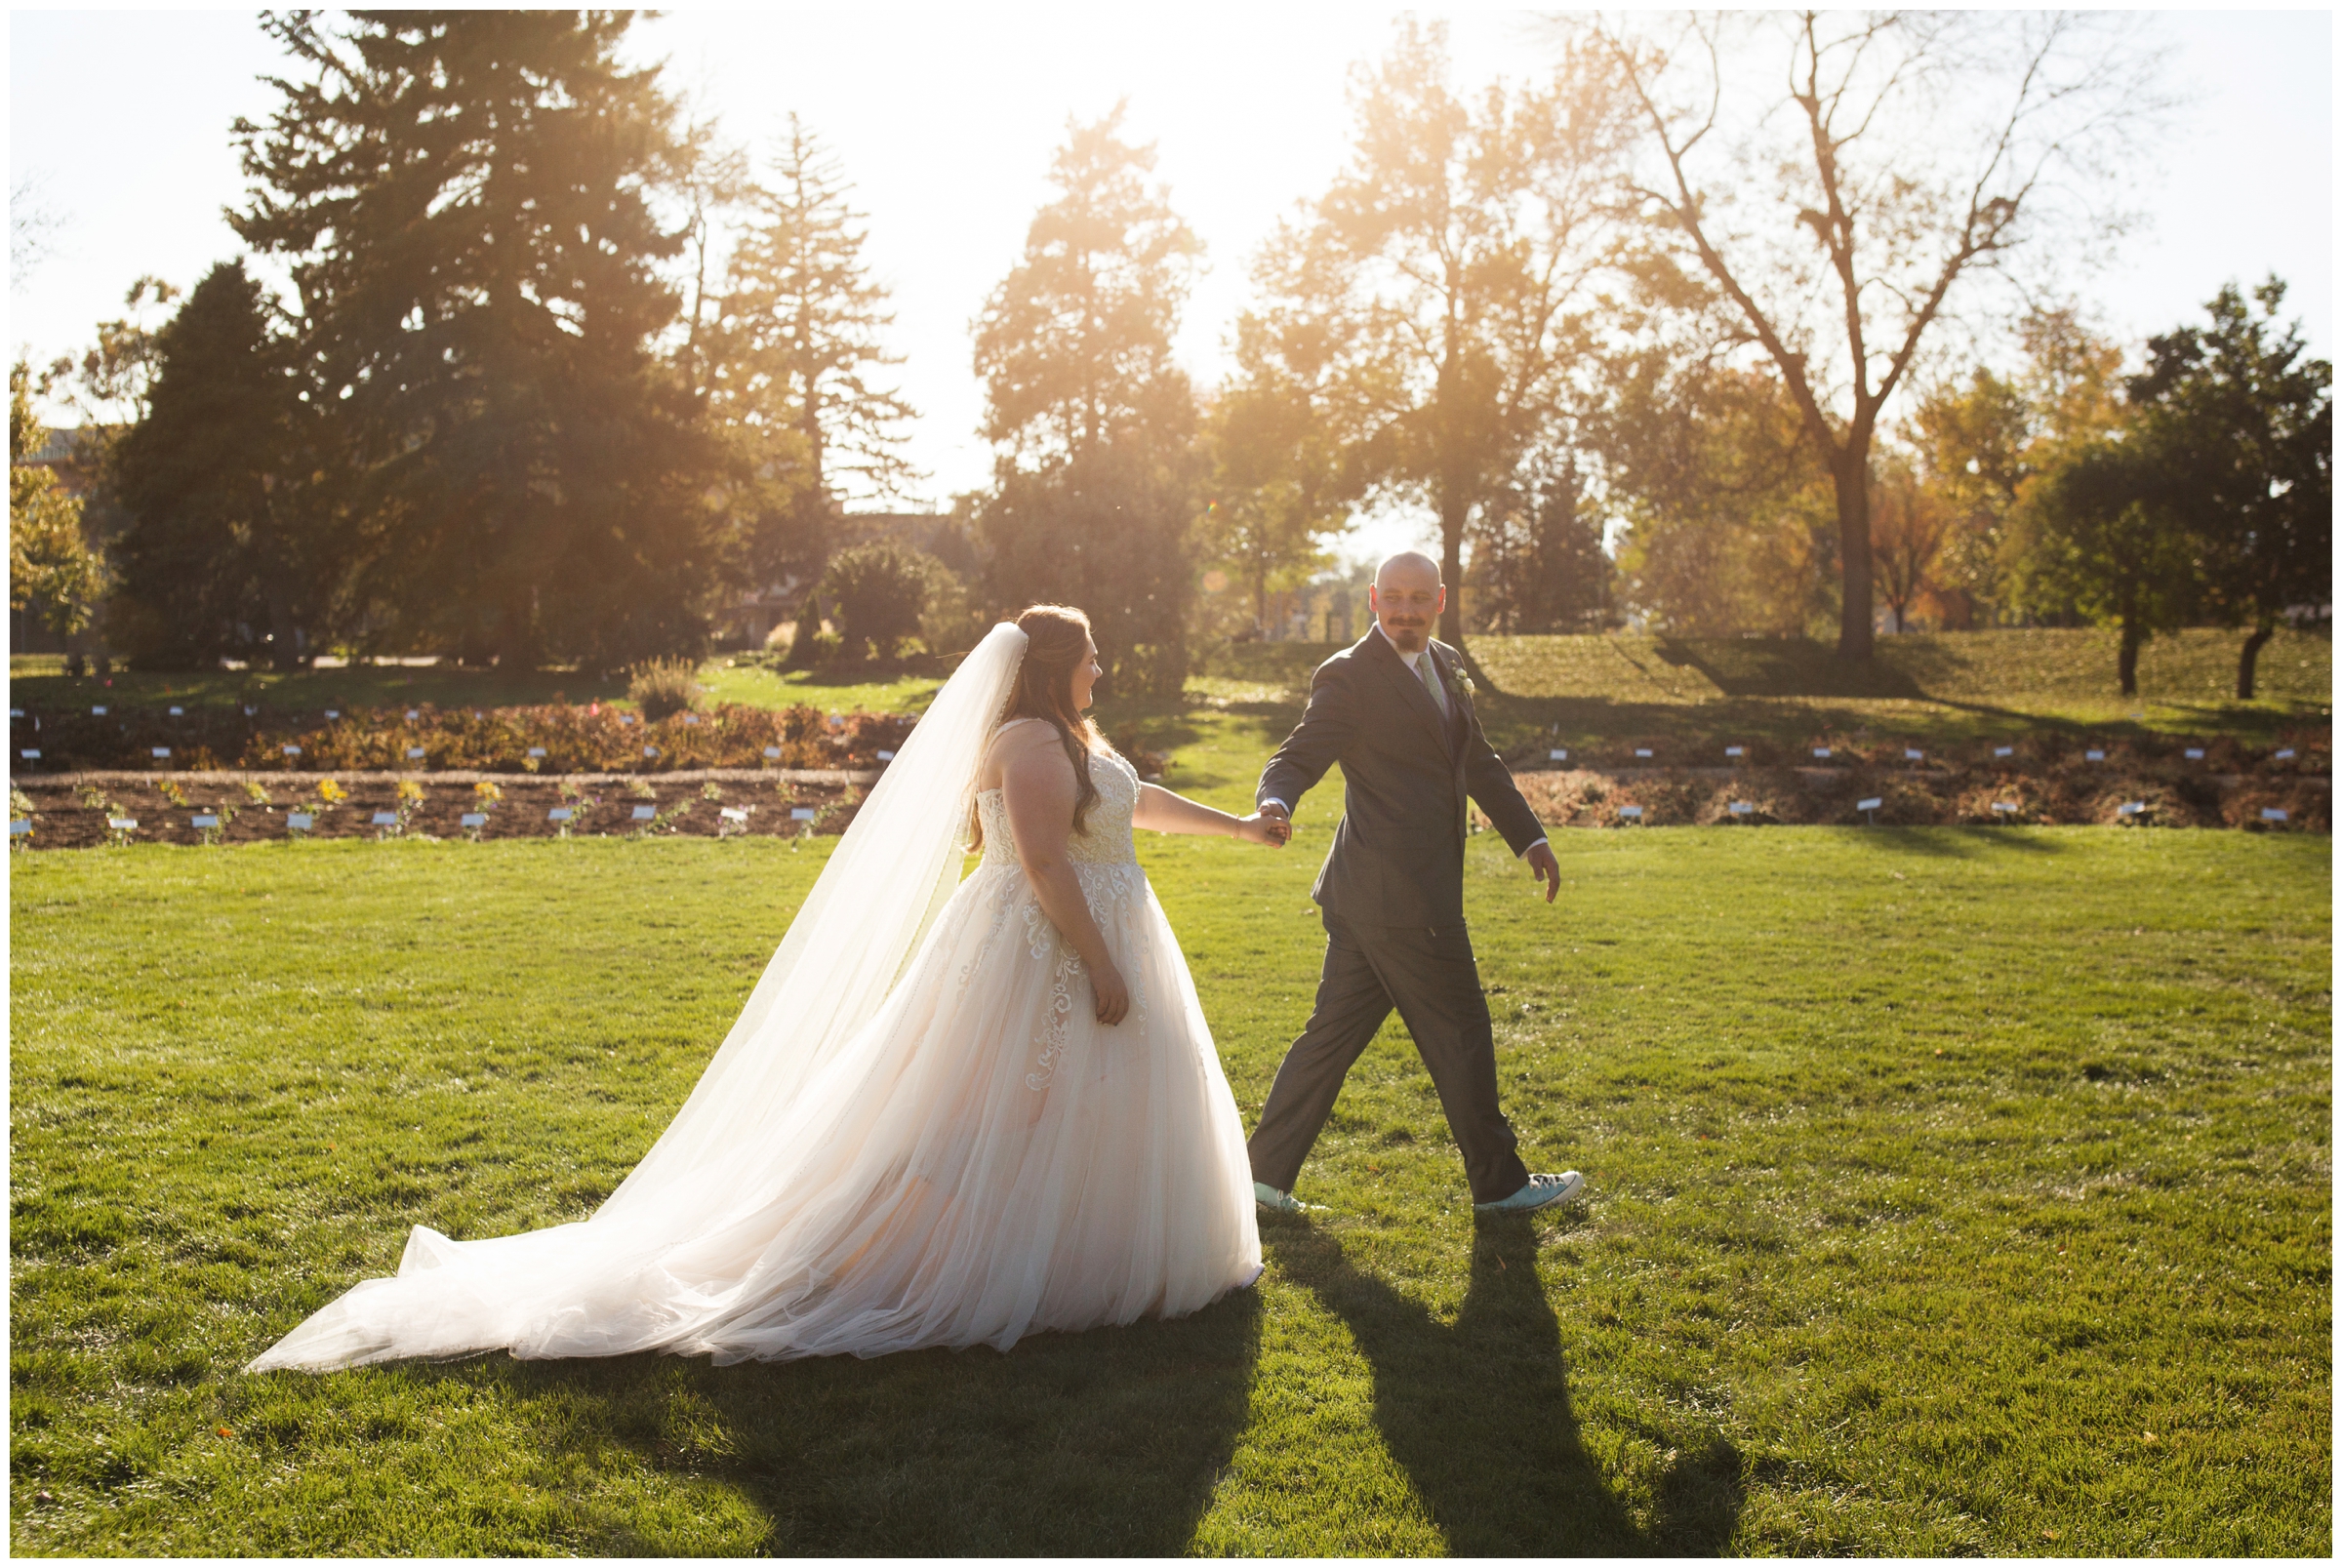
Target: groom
{"x":1394,"y":711}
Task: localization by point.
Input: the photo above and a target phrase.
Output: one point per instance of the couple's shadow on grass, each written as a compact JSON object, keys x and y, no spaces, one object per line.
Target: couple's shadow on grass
{"x":1479,"y":1412}
{"x":1113,"y":1442}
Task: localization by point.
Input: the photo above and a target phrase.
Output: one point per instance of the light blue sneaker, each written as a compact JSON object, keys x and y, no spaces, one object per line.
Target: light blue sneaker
{"x":1270,"y":1199}
{"x":1541,"y":1191}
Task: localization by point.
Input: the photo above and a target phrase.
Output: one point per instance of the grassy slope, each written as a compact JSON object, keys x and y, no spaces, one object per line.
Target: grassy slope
{"x":1931,"y":1172}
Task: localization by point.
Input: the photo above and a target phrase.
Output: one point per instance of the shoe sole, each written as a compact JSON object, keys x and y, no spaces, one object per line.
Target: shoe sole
{"x":1562,"y":1196}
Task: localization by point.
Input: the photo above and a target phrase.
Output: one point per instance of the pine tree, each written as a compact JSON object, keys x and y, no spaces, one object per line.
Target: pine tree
{"x":225,"y":553}
{"x":468,"y":202}
{"x":1093,"y":498}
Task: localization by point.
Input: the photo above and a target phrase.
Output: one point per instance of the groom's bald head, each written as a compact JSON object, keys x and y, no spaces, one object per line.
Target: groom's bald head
{"x":1407,"y":597}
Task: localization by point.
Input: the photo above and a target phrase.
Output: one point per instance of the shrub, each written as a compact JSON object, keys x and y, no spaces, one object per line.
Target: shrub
{"x":664,"y":688}
{"x":881,"y":590}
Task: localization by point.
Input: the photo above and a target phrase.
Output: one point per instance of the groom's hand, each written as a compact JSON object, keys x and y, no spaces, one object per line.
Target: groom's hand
{"x":1545,"y":869}
{"x":1278,"y":821}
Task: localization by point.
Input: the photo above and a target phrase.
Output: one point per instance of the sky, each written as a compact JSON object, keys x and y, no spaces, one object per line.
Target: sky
{"x":946,"y":121}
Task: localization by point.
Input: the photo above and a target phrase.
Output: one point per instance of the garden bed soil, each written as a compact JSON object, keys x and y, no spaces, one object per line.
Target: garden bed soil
{"x":604,"y":805}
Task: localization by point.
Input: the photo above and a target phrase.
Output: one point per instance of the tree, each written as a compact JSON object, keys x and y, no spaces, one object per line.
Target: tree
{"x":52,"y":569}
{"x":1908,"y":151}
{"x":468,"y":203}
{"x":1537,"y":561}
{"x":224,"y":553}
{"x":1092,"y":500}
{"x":2240,"y":423}
{"x":1909,"y":526}
{"x":1457,"y":243}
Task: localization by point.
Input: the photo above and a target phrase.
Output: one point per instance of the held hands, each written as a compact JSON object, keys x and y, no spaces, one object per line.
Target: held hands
{"x":1545,"y":869}
{"x":1268,"y":827}
{"x":1112,"y":992}
{"x":1271,"y":826}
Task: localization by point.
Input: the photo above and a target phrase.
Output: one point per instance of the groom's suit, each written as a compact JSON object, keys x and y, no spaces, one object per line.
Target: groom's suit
{"x":1392,"y":896}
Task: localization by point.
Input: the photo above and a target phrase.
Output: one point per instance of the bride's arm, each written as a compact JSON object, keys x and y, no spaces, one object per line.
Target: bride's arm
{"x":1036,"y":781}
{"x":1164,"y":812}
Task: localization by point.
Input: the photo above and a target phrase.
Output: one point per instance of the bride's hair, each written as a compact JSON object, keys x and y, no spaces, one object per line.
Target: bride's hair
{"x":1057,"y":641}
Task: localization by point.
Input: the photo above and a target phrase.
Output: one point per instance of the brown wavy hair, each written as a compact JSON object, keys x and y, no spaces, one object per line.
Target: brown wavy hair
{"x":1057,"y":641}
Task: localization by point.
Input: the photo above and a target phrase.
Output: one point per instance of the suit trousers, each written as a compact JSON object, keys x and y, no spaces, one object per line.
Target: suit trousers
{"x":1433,"y":980}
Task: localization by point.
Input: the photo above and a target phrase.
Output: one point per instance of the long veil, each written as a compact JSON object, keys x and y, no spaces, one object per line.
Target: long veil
{"x":598,"y":1287}
{"x":857,"y":930}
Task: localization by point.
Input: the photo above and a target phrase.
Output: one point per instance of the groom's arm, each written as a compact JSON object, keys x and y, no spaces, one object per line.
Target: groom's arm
{"x":1490,"y":784}
{"x":1316,"y":745}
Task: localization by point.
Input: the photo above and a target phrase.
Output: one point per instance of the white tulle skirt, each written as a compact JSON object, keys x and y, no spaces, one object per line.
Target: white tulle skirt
{"x":983,"y":1162}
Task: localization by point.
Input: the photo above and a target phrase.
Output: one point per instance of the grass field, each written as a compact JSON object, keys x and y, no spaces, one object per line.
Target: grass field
{"x":1950,"y":1191}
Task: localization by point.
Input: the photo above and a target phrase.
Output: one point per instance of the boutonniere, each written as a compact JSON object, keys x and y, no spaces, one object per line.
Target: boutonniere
{"x":1470,"y":692}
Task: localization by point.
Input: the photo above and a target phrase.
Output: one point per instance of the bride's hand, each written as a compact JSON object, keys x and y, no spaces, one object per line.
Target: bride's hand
{"x":1113,"y":996}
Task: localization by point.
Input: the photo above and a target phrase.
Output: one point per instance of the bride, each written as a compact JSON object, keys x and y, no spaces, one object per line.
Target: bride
{"x":953,"y":1112}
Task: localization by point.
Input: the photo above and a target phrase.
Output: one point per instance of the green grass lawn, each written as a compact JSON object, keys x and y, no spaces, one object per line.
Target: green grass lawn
{"x":1950,"y":1191}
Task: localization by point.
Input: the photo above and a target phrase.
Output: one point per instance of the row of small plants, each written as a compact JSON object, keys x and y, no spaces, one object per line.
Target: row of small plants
{"x":552,"y":737}
{"x":1586,"y":798}
{"x":2294,"y":753}
{"x":173,"y":809}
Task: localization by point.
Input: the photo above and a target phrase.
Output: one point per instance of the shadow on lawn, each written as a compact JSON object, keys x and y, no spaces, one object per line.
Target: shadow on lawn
{"x":1103,"y":1443}
{"x":1479,"y":1412}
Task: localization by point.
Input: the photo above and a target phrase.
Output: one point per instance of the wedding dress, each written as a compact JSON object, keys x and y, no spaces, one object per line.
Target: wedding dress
{"x":917,"y":1133}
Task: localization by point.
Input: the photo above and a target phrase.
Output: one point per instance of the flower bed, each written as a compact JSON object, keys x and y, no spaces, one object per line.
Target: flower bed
{"x":555,"y":737}
{"x":75,"y":812}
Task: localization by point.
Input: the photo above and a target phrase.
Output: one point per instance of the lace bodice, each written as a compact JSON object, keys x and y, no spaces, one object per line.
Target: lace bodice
{"x":1107,"y":840}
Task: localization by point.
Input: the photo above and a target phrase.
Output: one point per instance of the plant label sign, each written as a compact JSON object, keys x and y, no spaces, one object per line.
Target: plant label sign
{"x":161,"y":750}
{"x":1740,"y":808}
{"x":691,"y":718}
{"x":385,"y":819}
{"x":886,"y":756}
{"x":250,"y":711}
{"x":331,"y":713}
{"x":2286,"y":755}
{"x":97,"y":712}
{"x":800,"y":814}
{"x":1872,"y":804}
{"x":2131,"y":808}
{"x":16,"y":713}
{"x":413,"y":714}
{"x":535,"y":751}
{"x":734,"y":814}
{"x":177,"y":711}
{"x":1736,"y":752}
{"x":413,"y":751}
{"x":559,"y":814}
{"x":121,"y":825}
{"x":2275,"y":814}
{"x":207,"y":819}
{"x":301,"y":822}
{"x":2003,"y":807}
{"x":643,"y":814}
{"x":1635,"y":812}
{"x":475,"y":819}
{"x":33,"y":756}
{"x":1642,"y":751}
{"x":1821,"y":751}
{"x":1560,"y":754}
{"x":772,"y":753}
{"x":649,"y":751}
{"x":2194,"y":753}
{"x":1909,"y":756}
{"x":19,"y":827}
{"x":291,"y":751}
{"x":2093,"y":756}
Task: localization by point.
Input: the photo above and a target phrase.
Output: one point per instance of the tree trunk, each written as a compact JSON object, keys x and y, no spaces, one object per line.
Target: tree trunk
{"x":2250,"y":660}
{"x":2126,"y":663}
{"x":1850,"y":477}
{"x":1451,"y":568}
{"x":517,"y":632}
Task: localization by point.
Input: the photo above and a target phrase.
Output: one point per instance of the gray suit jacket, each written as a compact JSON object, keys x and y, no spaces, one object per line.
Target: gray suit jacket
{"x":1398,"y":855}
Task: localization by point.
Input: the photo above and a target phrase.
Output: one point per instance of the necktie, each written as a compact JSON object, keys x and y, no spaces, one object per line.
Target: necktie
{"x":1429,"y":676}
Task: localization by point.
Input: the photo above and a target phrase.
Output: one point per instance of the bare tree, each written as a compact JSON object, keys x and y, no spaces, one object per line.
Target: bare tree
{"x":33,"y":227}
{"x":1836,"y":176}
